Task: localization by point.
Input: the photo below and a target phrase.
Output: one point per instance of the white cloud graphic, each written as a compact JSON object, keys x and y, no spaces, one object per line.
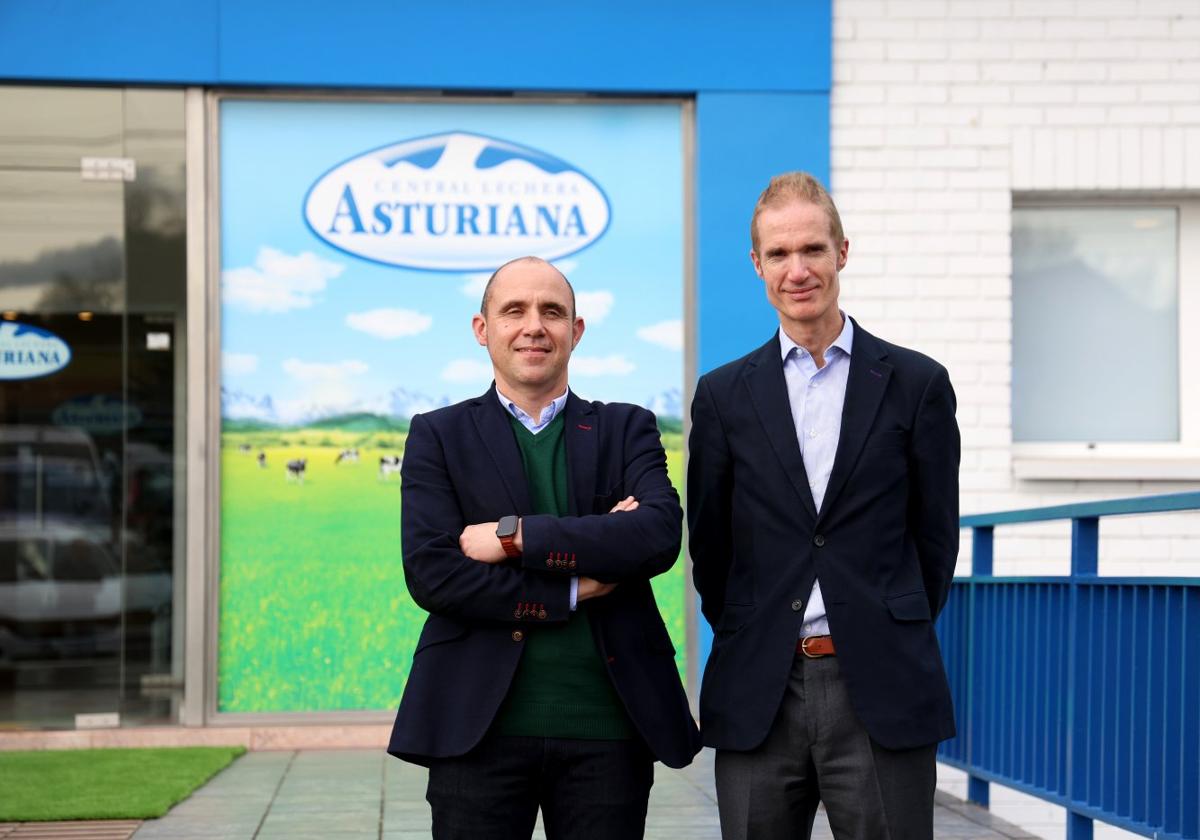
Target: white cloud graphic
{"x":389,"y":323}
{"x":323,"y":371}
{"x":238,"y":364}
{"x":467,"y":370}
{"x":615,"y":365}
{"x":594,"y":307}
{"x":278,"y":282}
{"x":668,"y":334}
{"x":475,"y":284}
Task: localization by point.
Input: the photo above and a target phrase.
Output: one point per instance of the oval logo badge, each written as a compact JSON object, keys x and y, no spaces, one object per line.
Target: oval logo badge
{"x":456,"y":202}
{"x":27,"y":352}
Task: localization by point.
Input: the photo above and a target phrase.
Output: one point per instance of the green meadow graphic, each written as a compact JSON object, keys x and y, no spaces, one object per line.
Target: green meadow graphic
{"x":346,"y":305}
{"x":314,"y":612}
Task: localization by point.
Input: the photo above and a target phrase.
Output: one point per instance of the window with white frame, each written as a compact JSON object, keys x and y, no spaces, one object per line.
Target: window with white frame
{"x":1102,"y":356}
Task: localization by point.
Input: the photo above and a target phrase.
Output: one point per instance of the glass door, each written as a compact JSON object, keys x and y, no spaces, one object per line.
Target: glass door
{"x":92,"y":282}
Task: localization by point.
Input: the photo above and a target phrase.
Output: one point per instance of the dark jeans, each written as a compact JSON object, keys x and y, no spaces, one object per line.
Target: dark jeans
{"x":587,"y":790}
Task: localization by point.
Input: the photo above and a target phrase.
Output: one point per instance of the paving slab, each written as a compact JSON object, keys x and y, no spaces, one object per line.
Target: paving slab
{"x":366,"y":795}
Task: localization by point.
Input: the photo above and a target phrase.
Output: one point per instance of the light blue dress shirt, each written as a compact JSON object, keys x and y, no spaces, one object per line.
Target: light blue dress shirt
{"x":548,"y":413}
{"x":816,"y":395}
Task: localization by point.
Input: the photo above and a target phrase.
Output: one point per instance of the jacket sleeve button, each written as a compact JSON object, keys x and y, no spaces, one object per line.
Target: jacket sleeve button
{"x":797,"y":605}
{"x":517,"y":636}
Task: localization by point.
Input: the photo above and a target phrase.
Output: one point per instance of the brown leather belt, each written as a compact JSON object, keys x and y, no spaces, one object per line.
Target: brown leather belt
{"x":815,"y":647}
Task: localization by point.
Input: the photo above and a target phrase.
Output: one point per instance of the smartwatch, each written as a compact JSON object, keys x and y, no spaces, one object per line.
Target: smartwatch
{"x":506,"y":532}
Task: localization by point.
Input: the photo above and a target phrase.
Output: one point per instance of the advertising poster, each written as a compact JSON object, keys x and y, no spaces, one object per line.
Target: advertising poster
{"x":356,"y":238}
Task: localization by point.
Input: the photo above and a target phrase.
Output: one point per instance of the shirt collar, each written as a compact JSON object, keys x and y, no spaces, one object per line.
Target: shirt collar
{"x":844,"y":341}
{"x":549,"y":412}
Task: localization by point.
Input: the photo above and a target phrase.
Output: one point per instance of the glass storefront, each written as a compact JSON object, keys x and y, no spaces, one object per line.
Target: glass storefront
{"x":92,"y":326}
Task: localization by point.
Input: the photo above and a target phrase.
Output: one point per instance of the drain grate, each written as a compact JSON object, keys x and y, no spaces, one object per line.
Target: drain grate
{"x":74,"y":830}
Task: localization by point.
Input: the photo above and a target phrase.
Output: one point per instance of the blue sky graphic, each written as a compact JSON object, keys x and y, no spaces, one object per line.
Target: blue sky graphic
{"x":296,"y":315}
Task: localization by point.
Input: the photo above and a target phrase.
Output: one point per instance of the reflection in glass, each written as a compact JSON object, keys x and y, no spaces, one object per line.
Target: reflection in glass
{"x":1095,"y":324}
{"x":90,"y":456}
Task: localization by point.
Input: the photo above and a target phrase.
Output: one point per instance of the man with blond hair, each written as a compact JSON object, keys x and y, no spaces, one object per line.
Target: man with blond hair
{"x":823,"y":508}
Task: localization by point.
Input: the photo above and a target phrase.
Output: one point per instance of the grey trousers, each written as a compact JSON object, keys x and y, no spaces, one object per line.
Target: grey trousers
{"x":818,"y":751}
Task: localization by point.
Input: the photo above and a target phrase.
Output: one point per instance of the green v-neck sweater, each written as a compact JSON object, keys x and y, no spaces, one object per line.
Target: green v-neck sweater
{"x":561,"y":688}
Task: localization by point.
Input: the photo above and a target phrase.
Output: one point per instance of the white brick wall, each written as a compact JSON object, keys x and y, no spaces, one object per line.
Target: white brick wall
{"x":941,"y":109}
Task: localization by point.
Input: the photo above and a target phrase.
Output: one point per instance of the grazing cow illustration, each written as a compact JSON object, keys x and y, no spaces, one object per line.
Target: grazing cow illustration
{"x":244,"y":448}
{"x":350,"y":456}
{"x":295,"y":469}
{"x":389,"y":464}
{"x":262,"y":460}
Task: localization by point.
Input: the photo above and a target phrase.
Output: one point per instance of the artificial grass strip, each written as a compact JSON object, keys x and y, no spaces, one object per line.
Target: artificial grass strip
{"x":104,"y":784}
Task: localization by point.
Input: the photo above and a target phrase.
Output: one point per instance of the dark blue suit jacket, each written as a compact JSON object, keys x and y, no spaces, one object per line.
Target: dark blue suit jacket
{"x":462,"y":466}
{"x":884,"y":544}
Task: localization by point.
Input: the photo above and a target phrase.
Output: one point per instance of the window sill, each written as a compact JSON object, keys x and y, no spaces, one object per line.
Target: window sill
{"x":1127,"y":463}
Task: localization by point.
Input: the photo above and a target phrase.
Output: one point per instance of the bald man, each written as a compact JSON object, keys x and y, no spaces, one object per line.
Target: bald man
{"x":532,"y":523}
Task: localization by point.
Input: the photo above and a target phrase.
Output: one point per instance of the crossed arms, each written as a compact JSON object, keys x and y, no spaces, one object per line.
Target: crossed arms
{"x":451,"y":564}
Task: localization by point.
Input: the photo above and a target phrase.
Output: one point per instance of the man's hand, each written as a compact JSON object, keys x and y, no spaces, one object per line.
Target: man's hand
{"x":479,"y":542}
{"x":591,"y":588}
{"x":626,"y":504}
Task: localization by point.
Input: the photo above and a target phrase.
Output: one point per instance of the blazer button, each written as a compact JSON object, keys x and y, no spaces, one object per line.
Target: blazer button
{"x":797,"y":605}
{"x":518,"y":636}
{"x":818,"y":540}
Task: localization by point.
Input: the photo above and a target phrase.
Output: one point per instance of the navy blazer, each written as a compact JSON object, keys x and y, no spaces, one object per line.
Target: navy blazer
{"x":462,"y":466}
{"x":884,"y":544}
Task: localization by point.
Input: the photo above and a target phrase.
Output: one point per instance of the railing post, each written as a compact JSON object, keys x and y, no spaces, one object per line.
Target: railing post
{"x":982,"y":552}
{"x":1085,"y":545}
{"x":1085,"y":562}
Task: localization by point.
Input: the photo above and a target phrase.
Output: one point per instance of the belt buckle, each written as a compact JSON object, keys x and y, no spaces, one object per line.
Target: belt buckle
{"x":804,"y":648}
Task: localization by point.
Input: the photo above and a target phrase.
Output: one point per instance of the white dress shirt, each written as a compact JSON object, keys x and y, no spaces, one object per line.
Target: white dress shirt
{"x":816,"y":396}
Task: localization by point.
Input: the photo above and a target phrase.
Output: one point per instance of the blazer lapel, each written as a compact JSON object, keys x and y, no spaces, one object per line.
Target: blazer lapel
{"x":582,"y":436}
{"x":491,"y":421}
{"x":865,"y":386}
{"x":769,"y":396}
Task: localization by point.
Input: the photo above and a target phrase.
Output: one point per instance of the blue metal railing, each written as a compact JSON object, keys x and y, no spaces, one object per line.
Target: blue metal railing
{"x":1081,"y":690}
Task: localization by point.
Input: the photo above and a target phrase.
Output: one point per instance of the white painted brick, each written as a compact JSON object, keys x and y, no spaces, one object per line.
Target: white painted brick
{"x":1043,"y":94}
{"x":917,"y":51}
{"x":1107,"y":94}
{"x":977,"y":265}
{"x":980,"y":9}
{"x":867,"y":222}
{"x":888,"y":115}
{"x":1042,"y":50}
{"x":1043,"y":8}
{"x":1139,"y":27}
{"x":1173,"y":157}
{"x":1075,"y":29}
{"x":841,"y":117}
{"x":1129,"y":170}
{"x":1085,"y":156}
{"x":1110,"y":49}
{"x":916,"y":137}
{"x":1139,"y":114}
{"x":1185,"y":114}
{"x":1064,"y":156}
{"x":948,"y":201}
{"x":916,"y":223}
{"x":854,"y":137}
{"x":980,"y":222}
{"x":1183,"y":48}
{"x":859,"y":50}
{"x":1185,"y":27}
{"x":955,"y":116}
{"x":980,"y":179}
{"x":1108,"y":159}
{"x":993,"y":243}
{"x":916,"y":264}
{"x":947,"y":30}
{"x":951,"y":287}
{"x":843,"y":28}
{"x":1076,"y":71}
{"x":1000,"y":158}
{"x":1076,"y":115}
{"x":980,"y":94}
{"x":987,"y":49}
{"x":1191,"y":171}
{"x":1010,"y":29}
{"x":918,"y":312}
{"x":948,"y":71}
{"x":927,"y":94}
{"x":921,"y":8}
{"x":1139,"y":71}
{"x":951,"y":157}
{"x":1107,"y":8}
{"x":885,"y":28}
{"x":885,"y":71}
{"x":1013,"y":71}
{"x":885,"y":158}
{"x":858,"y":94}
{"x":1152,"y":162}
{"x":1185,"y":71}
{"x":984,"y":138}
{"x":996,"y":331}
{"x":1023,"y":115}
{"x":1184,"y":93}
